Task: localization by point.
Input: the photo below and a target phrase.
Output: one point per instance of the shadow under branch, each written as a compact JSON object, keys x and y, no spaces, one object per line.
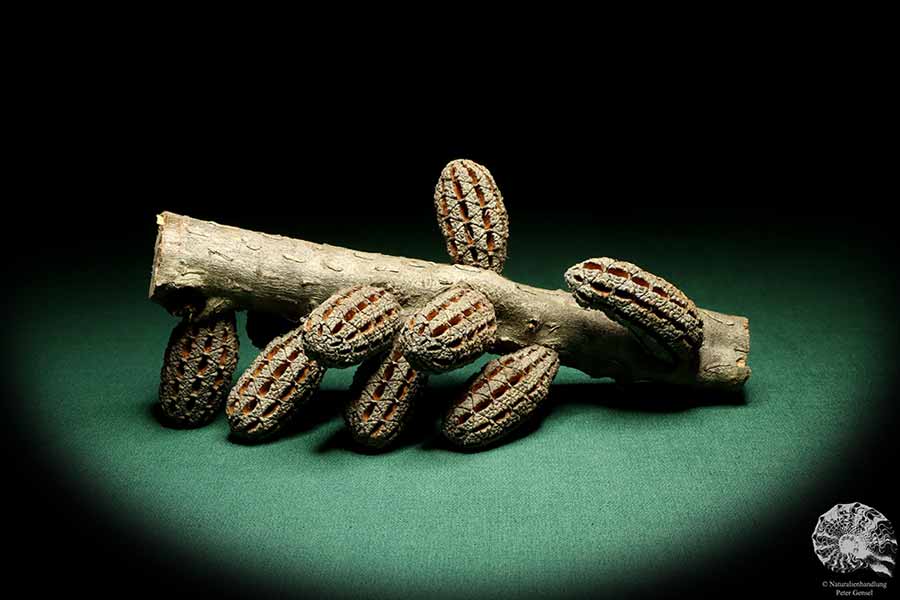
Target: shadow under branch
{"x":424,"y":429}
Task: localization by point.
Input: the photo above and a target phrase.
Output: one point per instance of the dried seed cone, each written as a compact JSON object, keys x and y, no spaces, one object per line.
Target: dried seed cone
{"x":197,"y":369}
{"x":502,"y":397}
{"x":451,"y":330}
{"x":471,"y":215}
{"x":385,"y":389}
{"x":655,"y":311}
{"x":271,"y":390}
{"x":351,"y":325}
{"x":263,"y":327}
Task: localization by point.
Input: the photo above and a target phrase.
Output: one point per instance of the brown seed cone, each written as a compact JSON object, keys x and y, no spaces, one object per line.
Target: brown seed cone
{"x":471,"y":215}
{"x":278,"y":382}
{"x":385,"y":389}
{"x":197,"y":369}
{"x":263,"y":327}
{"x":655,"y":311}
{"x":501,"y":397}
{"x":452,"y":329}
{"x":351,"y":325}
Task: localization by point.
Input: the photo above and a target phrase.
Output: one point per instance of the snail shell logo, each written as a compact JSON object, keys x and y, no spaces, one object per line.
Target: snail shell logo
{"x":853,"y":536}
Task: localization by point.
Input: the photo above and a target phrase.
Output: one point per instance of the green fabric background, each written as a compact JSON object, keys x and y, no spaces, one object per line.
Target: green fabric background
{"x":606,"y":490}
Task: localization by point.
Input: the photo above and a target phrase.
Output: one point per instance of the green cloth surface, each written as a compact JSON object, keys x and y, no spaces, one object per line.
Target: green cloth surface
{"x":601,"y":493}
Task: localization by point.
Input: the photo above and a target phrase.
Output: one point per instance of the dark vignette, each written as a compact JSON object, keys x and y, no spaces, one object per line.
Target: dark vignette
{"x":690,"y":166}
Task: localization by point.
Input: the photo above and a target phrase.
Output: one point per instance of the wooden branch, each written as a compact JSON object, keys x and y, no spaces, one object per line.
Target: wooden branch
{"x":201,"y":267}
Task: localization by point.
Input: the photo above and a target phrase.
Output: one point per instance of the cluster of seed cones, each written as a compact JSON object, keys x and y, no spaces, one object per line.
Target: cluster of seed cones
{"x":397,"y":347}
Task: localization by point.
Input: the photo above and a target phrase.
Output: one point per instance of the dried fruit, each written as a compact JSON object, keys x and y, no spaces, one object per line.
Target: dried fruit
{"x":663,"y":319}
{"x":201,"y":268}
{"x":197,"y":368}
{"x":501,"y":397}
{"x":451,"y":330}
{"x":471,"y":215}
{"x":271,"y":390}
{"x":263,"y":327}
{"x":385,"y":389}
{"x":351,"y":325}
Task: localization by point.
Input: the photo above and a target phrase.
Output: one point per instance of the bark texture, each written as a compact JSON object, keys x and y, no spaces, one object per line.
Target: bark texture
{"x":201,"y":268}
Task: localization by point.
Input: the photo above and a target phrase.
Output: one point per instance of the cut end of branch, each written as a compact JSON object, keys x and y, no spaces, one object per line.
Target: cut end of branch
{"x":725,"y":350}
